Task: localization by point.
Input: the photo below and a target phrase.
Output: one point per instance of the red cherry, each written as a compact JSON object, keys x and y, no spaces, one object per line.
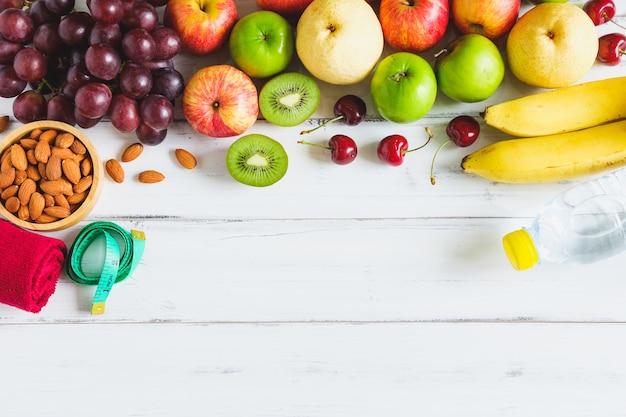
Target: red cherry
{"x":343,"y":148}
{"x":393,"y":148}
{"x":462,"y":131}
{"x":611,"y":48}
{"x":601,"y":11}
{"x":349,"y":108}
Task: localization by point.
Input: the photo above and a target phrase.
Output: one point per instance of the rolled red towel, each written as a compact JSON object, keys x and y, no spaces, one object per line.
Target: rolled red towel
{"x":30,"y":266}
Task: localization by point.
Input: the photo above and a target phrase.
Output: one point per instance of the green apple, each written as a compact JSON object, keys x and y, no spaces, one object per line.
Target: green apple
{"x":403,"y":87}
{"x":470,"y":68}
{"x":262,"y":43}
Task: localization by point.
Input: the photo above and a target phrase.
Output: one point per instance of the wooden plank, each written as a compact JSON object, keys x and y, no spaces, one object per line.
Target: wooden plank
{"x":402,"y":369}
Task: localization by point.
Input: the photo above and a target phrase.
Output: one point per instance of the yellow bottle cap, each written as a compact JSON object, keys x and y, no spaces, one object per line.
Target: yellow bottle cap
{"x":520,"y":249}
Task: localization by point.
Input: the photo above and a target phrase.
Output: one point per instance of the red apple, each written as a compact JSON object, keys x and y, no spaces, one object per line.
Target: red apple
{"x":287,"y":8}
{"x":490,"y":18}
{"x":220,"y":101}
{"x":203,"y":25}
{"x":413,"y":25}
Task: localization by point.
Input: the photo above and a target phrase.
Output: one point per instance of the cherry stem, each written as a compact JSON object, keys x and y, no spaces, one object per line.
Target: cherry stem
{"x":334,"y":119}
{"x":617,"y":24}
{"x":430,"y":136}
{"x":432,"y":163}
{"x":304,"y":142}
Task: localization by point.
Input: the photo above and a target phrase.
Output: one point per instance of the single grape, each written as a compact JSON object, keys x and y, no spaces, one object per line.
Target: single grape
{"x":10,"y":84}
{"x":103,"y":61}
{"x":124,"y":113}
{"x":29,"y":106}
{"x":106,"y":33}
{"x":92,"y":100}
{"x":141,"y":15}
{"x":60,"y":7}
{"x":11,"y":4}
{"x":156,"y":111}
{"x":40,"y":13}
{"x":78,"y":75}
{"x":85,"y":122}
{"x":8,"y":50}
{"x":74,"y":28}
{"x":135,"y":80}
{"x":61,"y":108}
{"x":138,"y":45}
{"x":168,"y":82}
{"x":30,"y":65}
{"x":107,"y":11}
{"x":46,"y":38}
{"x":150,"y":136}
{"x":16,"y":25}
{"x":155,"y":65}
{"x":167,"y":43}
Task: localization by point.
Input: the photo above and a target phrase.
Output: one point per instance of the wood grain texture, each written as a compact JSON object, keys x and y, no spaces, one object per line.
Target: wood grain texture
{"x":358,"y":290}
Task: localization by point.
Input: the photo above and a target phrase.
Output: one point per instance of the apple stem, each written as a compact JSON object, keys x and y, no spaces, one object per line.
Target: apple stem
{"x":432,"y":164}
{"x":334,"y":119}
{"x":314,"y":144}
{"x":397,"y":76}
{"x":430,"y":136}
{"x":443,"y":51}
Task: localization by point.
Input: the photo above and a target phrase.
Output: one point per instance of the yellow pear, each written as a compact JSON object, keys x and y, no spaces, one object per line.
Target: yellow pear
{"x":552,"y":45}
{"x":339,"y":41}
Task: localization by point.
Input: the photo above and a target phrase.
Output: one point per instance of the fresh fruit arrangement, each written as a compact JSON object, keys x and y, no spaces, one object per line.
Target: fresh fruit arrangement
{"x":115,"y":61}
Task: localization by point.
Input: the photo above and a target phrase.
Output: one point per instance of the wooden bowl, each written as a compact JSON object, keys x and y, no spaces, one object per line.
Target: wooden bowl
{"x":68,"y":199}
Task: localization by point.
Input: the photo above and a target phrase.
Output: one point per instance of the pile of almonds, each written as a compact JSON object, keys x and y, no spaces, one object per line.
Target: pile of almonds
{"x":45,"y":176}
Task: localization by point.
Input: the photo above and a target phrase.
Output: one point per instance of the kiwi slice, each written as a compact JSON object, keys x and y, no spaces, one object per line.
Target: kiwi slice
{"x":256,"y":160}
{"x":288,"y":99}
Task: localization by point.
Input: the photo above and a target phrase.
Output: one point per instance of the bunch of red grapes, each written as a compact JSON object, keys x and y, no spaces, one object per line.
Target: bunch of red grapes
{"x":113,"y":60}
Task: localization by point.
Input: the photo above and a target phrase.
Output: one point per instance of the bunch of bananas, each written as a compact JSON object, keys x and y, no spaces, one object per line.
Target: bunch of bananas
{"x":561,"y":134}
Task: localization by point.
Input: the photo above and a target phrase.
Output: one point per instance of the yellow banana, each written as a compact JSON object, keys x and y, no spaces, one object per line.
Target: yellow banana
{"x":561,"y":110}
{"x":553,"y":157}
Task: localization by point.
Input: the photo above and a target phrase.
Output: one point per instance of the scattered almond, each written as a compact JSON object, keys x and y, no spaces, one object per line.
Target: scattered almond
{"x":185,"y":158}
{"x":132,"y":152}
{"x":4,"y":122}
{"x":150,"y":176}
{"x":115,"y":170}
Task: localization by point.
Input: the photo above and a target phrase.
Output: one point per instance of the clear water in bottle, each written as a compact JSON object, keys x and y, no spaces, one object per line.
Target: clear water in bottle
{"x":583,"y":224}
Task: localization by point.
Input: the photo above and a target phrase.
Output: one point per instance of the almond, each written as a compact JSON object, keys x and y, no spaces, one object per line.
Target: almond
{"x":64,"y":153}
{"x":115,"y":170}
{"x":20,"y":176}
{"x":12,"y":204}
{"x":42,"y":151}
{"x":185,"y":158}
{"x":45,"y":218}
{"x":36,"y":205}
{"x":78,"y":147}
{"x":7,"y":177}
{"x":77,"y":198}
{"x":10,"y":191}
{"x":60,"y":186}
{"x":28,"y":143}
{"x":27,"y":188}
{"x":35,"y":133}
{"x":132,"y":152}
{"x":23,"y":213}
{"x":85,"y":166}
{"x":47,"y":136}
{"x":150,"y":176}
{"x":49,"y":199}
{"x":30,"y":155}
{"x":18,"y":157}
{"x":83,"y":185}
{"x":57,"y":211}
{"x":5,"y":160}
{"x":60,"y":200}
{"x":53,"y":168}
{"x":33,"y":173}
{"x":4,"y":122}
{"x":71,"y":170}
{"x":64,"y":140}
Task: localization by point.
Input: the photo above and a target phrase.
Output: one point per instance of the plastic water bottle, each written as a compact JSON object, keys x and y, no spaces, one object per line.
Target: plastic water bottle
{"x":583,"y":224}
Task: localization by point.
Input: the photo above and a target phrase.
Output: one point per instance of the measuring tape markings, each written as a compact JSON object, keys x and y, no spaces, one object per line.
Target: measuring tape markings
{"x":118,"y":264}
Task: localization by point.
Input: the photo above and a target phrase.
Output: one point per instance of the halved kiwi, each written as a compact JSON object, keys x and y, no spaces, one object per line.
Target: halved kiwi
{"x":289,"y":99}
{"x":256,"y":160}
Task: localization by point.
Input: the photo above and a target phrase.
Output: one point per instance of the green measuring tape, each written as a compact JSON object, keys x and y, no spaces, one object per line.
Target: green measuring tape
{"x":122,"y":252}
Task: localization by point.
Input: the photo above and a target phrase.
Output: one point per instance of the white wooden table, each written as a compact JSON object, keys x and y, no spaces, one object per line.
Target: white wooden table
{"x":357,"y":290}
